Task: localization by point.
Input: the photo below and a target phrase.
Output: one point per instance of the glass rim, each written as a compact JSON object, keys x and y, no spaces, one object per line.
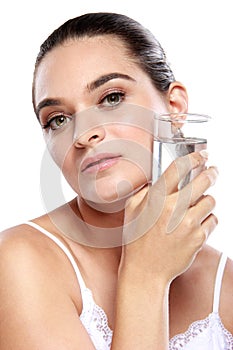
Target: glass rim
{"x":179,"y":117}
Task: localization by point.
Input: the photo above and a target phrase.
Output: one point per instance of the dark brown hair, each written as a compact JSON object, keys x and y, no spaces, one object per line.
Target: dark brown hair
{"x":140,"y":43}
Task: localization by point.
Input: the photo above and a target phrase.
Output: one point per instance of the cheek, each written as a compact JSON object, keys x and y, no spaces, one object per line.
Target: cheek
{"x":144,"y":139}
{"x":137,"y":135}
{"x":64,"y":154}
{"x":70,"y":169}
{"x":59,"y":145}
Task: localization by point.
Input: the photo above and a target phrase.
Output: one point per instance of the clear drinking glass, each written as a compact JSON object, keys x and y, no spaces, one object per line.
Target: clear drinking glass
{"x":175,"y":135}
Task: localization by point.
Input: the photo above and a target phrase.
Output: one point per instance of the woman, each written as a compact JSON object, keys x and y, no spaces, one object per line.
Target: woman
{"x":125,"y":264}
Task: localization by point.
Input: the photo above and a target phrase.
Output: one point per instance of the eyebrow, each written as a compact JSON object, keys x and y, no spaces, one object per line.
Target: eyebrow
{"x":47,"y":102}
{"x":103,"y":79}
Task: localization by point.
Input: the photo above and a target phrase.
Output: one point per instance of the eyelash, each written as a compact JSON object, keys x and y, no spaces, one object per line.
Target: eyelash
{"x":119,"y":94}
{"x":53,"y":117}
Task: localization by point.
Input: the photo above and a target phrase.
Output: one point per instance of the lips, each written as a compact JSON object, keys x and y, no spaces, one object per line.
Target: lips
{"x":100,"y":162}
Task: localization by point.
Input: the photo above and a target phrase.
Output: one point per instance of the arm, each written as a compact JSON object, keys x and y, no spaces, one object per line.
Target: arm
{"x":142,"y":313}
{"x":36,"y":306}
{"x":160,"y":244}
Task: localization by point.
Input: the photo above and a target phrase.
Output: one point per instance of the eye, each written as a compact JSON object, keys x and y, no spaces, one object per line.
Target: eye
{"x":57,"y":121}
{"x":112,"y":99}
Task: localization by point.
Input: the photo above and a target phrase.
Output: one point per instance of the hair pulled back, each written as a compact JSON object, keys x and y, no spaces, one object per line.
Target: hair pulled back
{"x":142,"y":46}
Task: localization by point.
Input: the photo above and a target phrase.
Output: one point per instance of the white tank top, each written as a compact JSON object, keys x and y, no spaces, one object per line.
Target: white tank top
{"x":207,"y":334}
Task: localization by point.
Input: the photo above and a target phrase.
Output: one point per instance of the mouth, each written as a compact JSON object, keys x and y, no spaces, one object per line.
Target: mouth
{"x":99,"y":163}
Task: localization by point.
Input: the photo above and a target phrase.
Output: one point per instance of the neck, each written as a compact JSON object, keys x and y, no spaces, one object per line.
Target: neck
{"x":102,"y":215}
{"x":88,"y":226}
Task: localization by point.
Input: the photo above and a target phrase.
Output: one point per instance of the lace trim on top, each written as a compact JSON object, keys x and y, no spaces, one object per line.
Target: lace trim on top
{"x":209,"y":332}
{"x":95,"y":321}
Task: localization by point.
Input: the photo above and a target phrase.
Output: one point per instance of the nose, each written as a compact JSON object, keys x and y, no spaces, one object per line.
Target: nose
{"x":90,"y":137}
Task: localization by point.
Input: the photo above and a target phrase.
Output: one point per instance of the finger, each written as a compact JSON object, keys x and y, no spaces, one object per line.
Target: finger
{"x":198,"y":213}
{"x":203,"y":207}
{"x":178,"y":169}
{"x":202,"y":233}
{"x":209,"y":224}
{"x":195,"y":189}
{"x":195,"y":214}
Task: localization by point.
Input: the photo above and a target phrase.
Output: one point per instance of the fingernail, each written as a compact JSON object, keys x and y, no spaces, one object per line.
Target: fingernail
{"x":213,"y":175}
{"x":215,"y":169}
{"x":204,"y":153}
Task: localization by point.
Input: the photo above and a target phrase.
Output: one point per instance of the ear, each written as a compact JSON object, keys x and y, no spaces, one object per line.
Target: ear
{"x":177,"y":98}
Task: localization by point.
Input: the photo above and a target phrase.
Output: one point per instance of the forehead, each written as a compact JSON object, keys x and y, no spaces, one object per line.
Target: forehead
{"x":79,"y":61}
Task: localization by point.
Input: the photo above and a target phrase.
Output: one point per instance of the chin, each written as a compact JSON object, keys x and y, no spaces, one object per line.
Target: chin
{"x":110,"y":195}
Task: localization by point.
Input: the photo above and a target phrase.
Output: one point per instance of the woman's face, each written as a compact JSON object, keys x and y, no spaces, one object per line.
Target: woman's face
{"x":95,"y":106}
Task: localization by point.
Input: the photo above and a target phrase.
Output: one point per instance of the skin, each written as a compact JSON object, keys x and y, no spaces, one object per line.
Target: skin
{"x":115,"y":275}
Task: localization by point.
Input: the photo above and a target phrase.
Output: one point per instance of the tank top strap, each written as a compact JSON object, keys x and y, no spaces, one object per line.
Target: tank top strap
{"x":218,"y":282}
{"x":64,"y":249}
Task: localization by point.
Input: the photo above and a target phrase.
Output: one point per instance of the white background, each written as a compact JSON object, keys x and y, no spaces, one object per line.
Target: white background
{"x":197,"y":37}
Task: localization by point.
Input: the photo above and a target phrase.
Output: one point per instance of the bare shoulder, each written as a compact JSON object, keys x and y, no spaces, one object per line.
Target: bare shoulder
{"x":228,"y":277}
{"x":21,"y":244}
{"x":16,"y":245}
{"x":212,"y":257}
{"x":28,"y":257}
{"x":226,"y":300}
{"x":36,"y":288}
